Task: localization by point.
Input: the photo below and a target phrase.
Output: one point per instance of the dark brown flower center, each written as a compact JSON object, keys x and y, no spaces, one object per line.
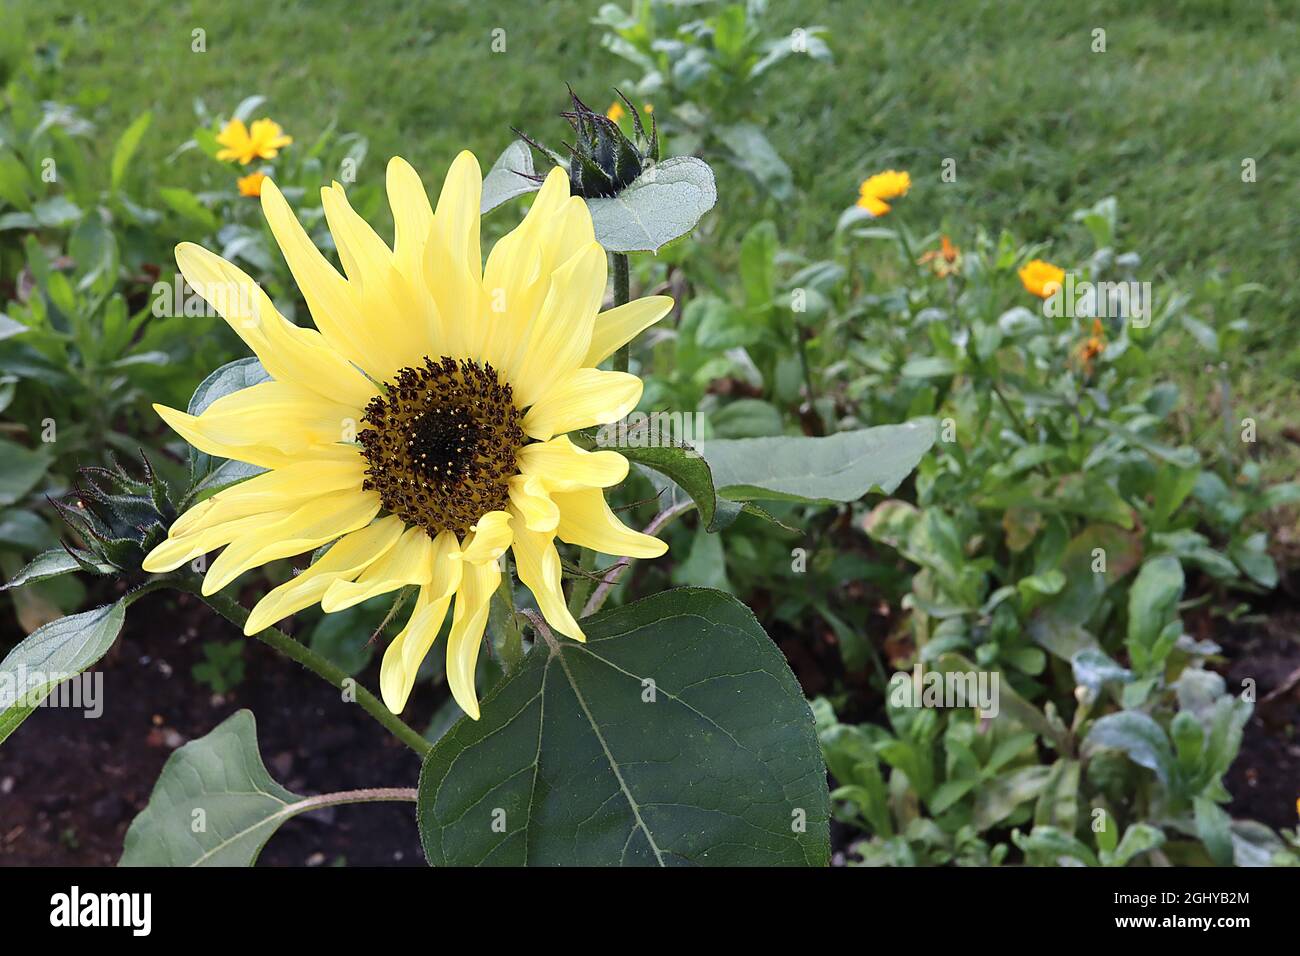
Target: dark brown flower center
{"x":441,"y":444}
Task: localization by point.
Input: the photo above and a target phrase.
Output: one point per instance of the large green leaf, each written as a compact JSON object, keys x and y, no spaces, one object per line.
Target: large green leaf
{"x":664,"y":203}
{"x":675,"y":735}
{"x":840,"y":467}
{"x":50,"y":655}
{"x":214,"y":804}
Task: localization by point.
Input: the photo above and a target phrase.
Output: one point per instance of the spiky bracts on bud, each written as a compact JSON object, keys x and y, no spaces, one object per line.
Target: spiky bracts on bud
{"x":119,"y":518}
{"x":603,"y":161}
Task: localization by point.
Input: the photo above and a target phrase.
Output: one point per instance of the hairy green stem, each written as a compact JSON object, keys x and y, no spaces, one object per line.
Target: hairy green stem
{"x":371,"y":795}
{"x":234,"y":612}
{"x":622,"y":294}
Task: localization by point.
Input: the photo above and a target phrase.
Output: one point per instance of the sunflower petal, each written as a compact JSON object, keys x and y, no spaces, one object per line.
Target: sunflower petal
{"x":530,"y":500}
{"x":563,"y":466}
{"x":308,"y":526}
{"x":467,"y":624}
{"x":175,"y":551}
{"x":272,"y":491}
{"x":558,"y":338}
{"x":412,"y":218}
{"x":582,"y":398}
{"x":275,"y":415}
{"x":490,"y":539}
{"x":586,"y":520}
{"x":404,"y":655}
{"x":410,"y":561}
{"x":345,"y":559}
{"x":513,"y":279}
{"x":618,"y":326}
{"x":538,"y":564}
{"x":287,"y":352}
{"x":334,"y":307}
{"x":379,"y":288}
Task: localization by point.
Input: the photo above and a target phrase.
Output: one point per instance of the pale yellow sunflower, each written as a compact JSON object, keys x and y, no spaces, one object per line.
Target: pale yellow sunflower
{"x":244,"y":144}
{"x":422,"y":428}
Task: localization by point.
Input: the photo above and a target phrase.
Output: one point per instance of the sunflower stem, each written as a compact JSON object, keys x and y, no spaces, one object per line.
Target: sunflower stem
{"x":622,"y":294}
{"x":236,"y":614}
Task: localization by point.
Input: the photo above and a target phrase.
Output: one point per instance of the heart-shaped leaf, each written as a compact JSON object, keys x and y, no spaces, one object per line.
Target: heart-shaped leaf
{"x":675,"y":735}
{"x":662,"y":204}
{"x":214,"y":804}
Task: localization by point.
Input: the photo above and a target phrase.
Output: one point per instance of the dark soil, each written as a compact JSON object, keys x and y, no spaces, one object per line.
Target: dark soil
{"x":70,"y":786}
{"x":1265,"y":779}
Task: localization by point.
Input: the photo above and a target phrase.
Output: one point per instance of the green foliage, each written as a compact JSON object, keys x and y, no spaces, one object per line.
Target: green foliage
{"x":730,"y":775}
{"x":707,"y":69}
{"x":214,"y":804}
{"x":1056,"y":508}
{"x":222,"y":667}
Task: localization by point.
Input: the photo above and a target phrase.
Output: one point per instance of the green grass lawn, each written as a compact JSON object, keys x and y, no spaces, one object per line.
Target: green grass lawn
{"x":1038,"y":123}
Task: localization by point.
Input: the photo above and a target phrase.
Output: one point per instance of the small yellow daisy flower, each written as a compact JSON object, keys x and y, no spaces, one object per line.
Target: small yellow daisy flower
{"x":616,"y":111}
{"x":876,"y":189}
{"x":1041,"y":278}
{"x":418,"y":430}
{"x":250,"y":185}
{"x":245,"y":144}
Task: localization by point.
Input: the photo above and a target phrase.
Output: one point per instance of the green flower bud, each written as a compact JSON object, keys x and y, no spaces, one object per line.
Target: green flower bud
{"x":120,"y":518}
{"x":602,"y":161}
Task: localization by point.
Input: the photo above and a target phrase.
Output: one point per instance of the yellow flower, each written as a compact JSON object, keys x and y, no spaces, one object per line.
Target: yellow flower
{"x":876,"y":189}
{"x":250,"y":185}
{"x":1041,"y":278}
{"x":244,"y":144}
{"x":420,"y":428}
{"x":616,"y":111}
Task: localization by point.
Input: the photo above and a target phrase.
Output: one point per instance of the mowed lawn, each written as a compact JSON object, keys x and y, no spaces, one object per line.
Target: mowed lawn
{"x":1038,"y":123}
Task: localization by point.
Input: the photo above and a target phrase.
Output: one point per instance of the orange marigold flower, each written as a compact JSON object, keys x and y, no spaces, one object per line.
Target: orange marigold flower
{"x":1041,"y":278}
{"x":1092,"y":346}
{"x":876,"y":189}
{"x":245,"y":144}
{"x":250,"y":185}
{"x":946,"y":260}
